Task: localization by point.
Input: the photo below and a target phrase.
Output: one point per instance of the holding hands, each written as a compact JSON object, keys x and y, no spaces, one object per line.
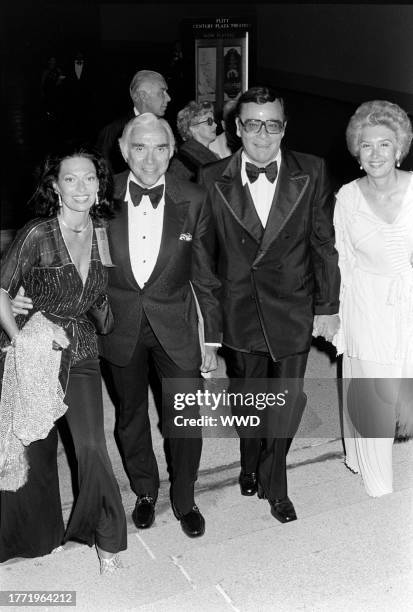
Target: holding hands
{"x":326,"y":326}
{"x":209,"y":359}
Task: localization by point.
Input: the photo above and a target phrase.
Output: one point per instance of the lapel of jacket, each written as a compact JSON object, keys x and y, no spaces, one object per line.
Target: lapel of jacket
{"x":238,"y":199}
{"x":175,"y":211}
{"x":119,"y":231}
{"x":291,"y":186}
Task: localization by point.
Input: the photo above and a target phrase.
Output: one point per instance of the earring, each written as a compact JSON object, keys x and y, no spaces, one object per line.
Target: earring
{"x":97,"y":199}
{"x":398,"y":162}
{"x":59,"y":197}
{"x":361,"y":167}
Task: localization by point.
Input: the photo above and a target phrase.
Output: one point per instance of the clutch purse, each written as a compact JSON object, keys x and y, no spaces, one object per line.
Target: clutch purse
{"x":101,"y":315}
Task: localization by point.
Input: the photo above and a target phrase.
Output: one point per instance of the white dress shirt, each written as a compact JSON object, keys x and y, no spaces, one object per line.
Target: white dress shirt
{"x":145,"y":225}
{"x":262,"y":190}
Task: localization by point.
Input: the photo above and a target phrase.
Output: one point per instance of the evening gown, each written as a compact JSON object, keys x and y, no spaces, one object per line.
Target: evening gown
{"x":31,"y":522}
{"x":376,"y":333}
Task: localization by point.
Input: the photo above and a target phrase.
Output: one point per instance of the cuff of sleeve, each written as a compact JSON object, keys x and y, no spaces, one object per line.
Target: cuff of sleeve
{"x":326,"y":310}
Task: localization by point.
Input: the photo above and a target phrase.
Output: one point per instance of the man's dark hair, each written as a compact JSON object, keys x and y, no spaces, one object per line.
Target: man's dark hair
{"x":260,"y":95}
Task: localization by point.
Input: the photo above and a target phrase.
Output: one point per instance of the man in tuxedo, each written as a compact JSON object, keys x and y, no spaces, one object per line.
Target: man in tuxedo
{"x":278,"y":267}
{"x":149,"y":93}
{"x":160,"y":244}
{"x":79,"y":98}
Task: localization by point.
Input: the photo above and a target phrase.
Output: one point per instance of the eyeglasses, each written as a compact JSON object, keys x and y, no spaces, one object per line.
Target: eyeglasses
{"x":254,"y":126}
{"x":209,"y":121}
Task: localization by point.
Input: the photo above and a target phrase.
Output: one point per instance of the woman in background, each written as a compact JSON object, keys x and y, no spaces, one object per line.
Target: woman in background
{"x":197,"y":128}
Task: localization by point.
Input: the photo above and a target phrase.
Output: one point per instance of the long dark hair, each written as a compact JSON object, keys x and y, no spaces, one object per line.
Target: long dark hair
{"x":45,"y":203}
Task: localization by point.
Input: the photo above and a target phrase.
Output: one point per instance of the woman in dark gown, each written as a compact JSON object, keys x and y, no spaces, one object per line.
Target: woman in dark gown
{"x":59,"y":260}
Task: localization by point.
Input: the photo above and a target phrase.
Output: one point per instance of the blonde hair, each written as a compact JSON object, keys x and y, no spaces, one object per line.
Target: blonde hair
{"x":380,"y":112}
{"x":193,"y":110}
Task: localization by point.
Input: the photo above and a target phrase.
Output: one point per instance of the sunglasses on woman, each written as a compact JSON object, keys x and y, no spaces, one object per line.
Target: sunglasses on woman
{"x":209,"y":121}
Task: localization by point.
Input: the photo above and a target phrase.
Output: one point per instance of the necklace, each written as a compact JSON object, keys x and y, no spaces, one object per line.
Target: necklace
{"x":72,"y":229}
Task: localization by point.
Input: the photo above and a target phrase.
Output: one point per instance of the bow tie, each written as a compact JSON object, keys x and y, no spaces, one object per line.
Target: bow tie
{"x":136,"y":192}
{"x":253,"y":171}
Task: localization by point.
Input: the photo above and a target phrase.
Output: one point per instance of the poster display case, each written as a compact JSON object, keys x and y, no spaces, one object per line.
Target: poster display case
{"x":221,"y":48}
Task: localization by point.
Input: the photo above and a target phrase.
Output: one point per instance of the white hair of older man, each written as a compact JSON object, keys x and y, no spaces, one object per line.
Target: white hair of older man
{"x":148,"y":120}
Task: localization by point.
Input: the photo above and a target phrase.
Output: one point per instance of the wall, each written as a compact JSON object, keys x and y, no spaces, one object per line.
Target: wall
{"x":159,"y":21}
{"x":345,"y":51}
{"x":350,"y":52}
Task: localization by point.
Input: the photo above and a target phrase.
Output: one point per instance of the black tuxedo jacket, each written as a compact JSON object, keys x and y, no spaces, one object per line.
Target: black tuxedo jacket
{"x":274,"y":280}
{"x":185,"y":257}
{"x":191,"y":156}
{"x":107,"y":142}
{"x":79,"y":86}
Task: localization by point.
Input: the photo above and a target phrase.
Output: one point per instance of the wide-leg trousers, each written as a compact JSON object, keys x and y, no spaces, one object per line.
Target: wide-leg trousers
{"x":31,"y":522}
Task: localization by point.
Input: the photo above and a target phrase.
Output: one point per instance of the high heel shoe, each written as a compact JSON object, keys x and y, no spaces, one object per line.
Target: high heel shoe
{"x":351,"y":467}
{"x":109,"y":565}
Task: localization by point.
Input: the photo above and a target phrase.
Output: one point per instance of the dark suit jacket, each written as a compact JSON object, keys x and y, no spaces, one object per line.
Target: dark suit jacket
{"x":79,"y":90}
{"x":78,"y":103}
{"x":191,"y":156}
{"x":167,"y":298}
{"x":107,"y":142}
{"x":274,"y":280}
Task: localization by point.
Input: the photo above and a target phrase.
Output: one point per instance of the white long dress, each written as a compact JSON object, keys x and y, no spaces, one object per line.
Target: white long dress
{"x":376,"y":312}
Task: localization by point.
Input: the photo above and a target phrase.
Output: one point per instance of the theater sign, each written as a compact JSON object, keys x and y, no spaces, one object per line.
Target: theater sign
{"x":221,"y":49}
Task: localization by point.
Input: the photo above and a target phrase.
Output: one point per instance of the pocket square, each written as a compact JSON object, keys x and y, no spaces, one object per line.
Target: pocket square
{"x":186,"y":237}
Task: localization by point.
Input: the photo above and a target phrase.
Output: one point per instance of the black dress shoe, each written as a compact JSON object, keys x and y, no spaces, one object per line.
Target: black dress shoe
{"x":144,"y":513}
{"x":192,"y":523}
{"x":248,"y":483}
{"x":283,"y":510}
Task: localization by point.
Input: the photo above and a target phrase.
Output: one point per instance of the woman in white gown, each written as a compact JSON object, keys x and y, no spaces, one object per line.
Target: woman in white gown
{"x":374,"y":237}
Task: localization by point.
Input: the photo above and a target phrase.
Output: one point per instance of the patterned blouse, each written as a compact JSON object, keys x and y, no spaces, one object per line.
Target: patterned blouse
{"x":39,"y":261}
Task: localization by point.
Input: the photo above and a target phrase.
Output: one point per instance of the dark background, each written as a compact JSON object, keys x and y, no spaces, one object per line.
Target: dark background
{"x":327,"y":58}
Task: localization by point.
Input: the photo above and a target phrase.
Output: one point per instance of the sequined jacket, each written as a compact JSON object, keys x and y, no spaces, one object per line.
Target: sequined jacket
{"x":40,"y":262}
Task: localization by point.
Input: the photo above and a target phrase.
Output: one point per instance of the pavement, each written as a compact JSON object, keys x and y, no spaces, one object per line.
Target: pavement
{"x":345,"y":552}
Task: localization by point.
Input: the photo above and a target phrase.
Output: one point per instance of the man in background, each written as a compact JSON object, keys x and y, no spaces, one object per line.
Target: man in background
{"x":78,"y":98}
{"x":149,"y":93}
